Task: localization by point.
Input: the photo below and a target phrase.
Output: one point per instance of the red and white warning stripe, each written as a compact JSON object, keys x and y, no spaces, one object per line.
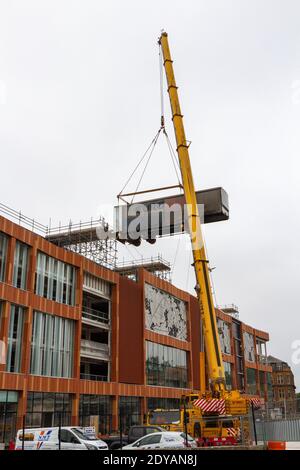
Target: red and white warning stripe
{"x":216,"y":405}
{"x":232,"y":432}
{"x":256,"y":403}
{"x":282,"y":445}
{"x":212,"y":405}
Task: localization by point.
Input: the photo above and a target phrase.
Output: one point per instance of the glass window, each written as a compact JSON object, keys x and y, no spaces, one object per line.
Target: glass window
{"x":44,"y":409}
{"x":251,"y":381}
{"x":261,"y":350}
{"x":8,"y":415}
{"x":224,"y":334}
{"x":228,"y":375}
{"x":15,"y":334}
{"x":262,"y":383}
{"x":7,"y":396}
{"x":137,"y":433}
{"x":20,"y":265}
{"x":38,"y":401}
{"x":153,"y":439}
{"x":236,"y":329}
{"x":130,"y":411}
{"x":249,"y":347}
{"x":96,"y":405}
{"x":12,"y":397}
{"x":66,"y":435}
{"x":48,"y":402}
{"x":166,"y":366}
{"x":52,"y":346}
{"x":55,"y":280}
{"x":3,"y":255}
{"x":159,"y":417}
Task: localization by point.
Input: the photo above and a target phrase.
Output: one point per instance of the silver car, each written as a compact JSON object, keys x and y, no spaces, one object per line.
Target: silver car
{"x":163,"y":440}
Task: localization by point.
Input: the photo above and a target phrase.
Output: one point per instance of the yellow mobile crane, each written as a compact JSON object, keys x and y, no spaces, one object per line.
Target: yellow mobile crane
{"x":234,"y":403}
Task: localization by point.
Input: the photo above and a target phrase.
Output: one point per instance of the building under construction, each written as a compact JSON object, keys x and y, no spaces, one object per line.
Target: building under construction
{"x":85,"y":337}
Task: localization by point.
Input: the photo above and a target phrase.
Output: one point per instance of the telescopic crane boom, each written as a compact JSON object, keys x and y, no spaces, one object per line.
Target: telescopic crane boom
{"x":204,"y":292}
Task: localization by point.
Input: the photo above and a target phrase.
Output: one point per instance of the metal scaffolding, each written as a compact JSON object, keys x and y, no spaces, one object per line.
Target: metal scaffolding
{"x":90,"y":239}
{"x":155,"y":265}
{"x":94,"y":240}
{"x":87,"y":239}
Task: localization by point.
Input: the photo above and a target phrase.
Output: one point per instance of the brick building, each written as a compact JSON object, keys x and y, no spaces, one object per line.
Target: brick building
{"x":284,"y":390}
{"x":84,"y":341}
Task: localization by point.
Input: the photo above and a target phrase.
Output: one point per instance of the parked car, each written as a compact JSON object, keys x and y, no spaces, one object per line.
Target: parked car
{"x":134,"y":433}
{"x":71,"y":438}
{"x":163,"y":440}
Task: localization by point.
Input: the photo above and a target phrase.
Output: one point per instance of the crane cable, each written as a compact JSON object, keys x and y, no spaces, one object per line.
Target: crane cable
{"x":175,"y":257}
{"x":173,"y":157}
{"x":153,"y":141}
{"x":147,"y":162}
{"x":150,"y":149}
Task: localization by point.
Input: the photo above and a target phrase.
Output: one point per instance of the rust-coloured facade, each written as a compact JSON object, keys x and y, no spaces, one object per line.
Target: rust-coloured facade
{"x":125,"y":354}
{"x":251,"y":373}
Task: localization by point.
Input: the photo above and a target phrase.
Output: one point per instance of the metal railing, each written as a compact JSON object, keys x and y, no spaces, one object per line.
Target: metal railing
{"x":230,"y":309}
{"x":140,"y":262}
{"x":94,"y":377}
{"x":95,"y":315}
{"x":47,"y":230}
{"x":75,"y":226}
{"x":22,"y":219}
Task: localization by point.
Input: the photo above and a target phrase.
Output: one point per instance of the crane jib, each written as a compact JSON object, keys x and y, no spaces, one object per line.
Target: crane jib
{"x":212,"y":341}
{"x":211,"y":314}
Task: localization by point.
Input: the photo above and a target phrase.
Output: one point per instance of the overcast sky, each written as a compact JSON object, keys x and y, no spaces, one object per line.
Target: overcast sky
{"x":79,"y":103}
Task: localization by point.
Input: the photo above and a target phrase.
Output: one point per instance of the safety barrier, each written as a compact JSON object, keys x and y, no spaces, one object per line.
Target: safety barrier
{"x":283,"y":445}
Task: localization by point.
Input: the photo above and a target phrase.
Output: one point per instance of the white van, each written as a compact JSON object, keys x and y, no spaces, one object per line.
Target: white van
{"x":71,"y":438}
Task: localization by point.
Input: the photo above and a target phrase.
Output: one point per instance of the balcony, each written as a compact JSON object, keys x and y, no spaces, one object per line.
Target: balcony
{"x":94,"y":317}
{"x":261,"y":359}
{"x":94,"y":350}
{"x":94,"y":377}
